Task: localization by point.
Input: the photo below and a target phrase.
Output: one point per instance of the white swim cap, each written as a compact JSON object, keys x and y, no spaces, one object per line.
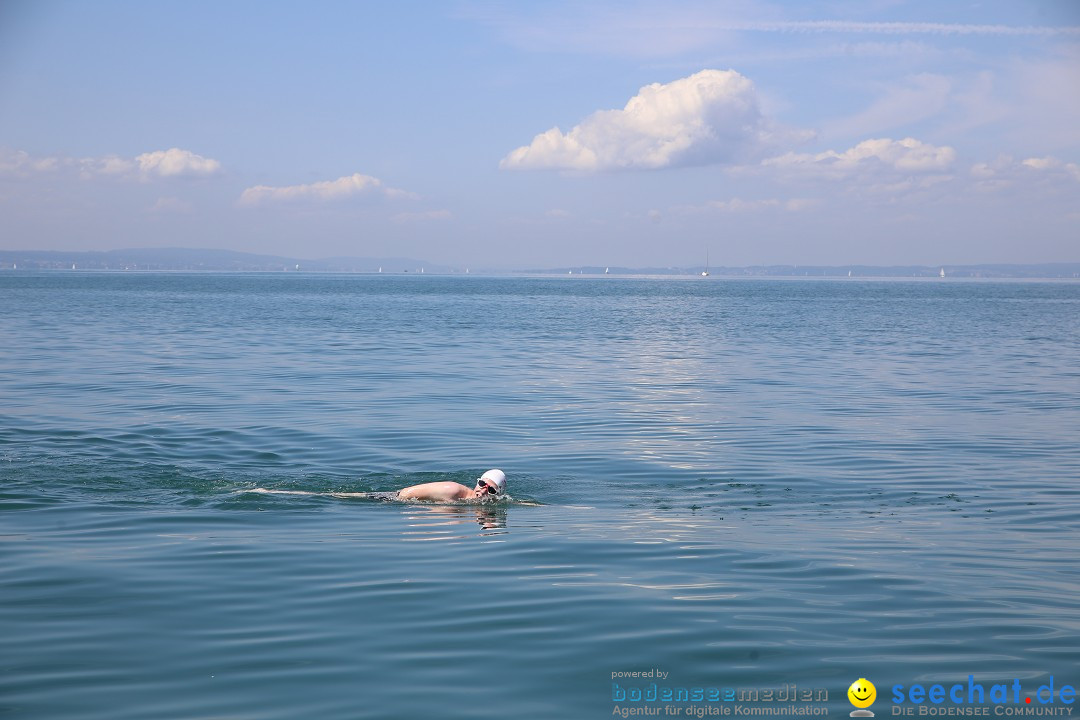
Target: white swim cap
{"x":496,"y":478}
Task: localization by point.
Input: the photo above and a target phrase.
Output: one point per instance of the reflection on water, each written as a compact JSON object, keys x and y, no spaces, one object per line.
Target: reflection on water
{"x":430,"y":521}
{"x":439,"y":522}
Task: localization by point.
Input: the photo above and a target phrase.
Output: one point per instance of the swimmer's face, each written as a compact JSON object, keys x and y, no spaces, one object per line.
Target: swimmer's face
{"x":483,"y":489}
{"x":862,"y":693}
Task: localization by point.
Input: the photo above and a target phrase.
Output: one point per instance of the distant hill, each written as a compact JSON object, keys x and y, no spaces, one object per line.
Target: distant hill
{"x":209,"y":260}
{"x":1044,"y":270}
{"x":198,"y":259}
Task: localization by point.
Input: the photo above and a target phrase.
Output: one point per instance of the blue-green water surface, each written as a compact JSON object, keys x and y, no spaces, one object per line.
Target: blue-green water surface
{"x":741,"y":483}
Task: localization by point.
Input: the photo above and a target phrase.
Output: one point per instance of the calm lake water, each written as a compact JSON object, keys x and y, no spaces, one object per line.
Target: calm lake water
{"x":744,"y":484}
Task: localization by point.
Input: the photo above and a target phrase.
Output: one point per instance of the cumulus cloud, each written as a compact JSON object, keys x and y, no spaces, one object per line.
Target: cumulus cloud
{"x":21,"y":163}
{"x":349,"y":186}
{"x":1007,"y":172}
{"x":907,"y":156}
{"x":108,"y":165}
{"x":711,"y":117}
{"x":175,"y":162}
{"x":1052,"y":164}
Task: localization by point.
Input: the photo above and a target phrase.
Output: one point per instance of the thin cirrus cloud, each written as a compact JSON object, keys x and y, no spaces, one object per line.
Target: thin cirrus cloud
{"x":898,"y":28}
{"x":639,"y":30}
{"x":710,"y":117}
{"x":915,"y":99}
{"x":344,"y":188}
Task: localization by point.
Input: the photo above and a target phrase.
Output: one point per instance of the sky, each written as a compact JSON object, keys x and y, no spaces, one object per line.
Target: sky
{"x":546,"y":134}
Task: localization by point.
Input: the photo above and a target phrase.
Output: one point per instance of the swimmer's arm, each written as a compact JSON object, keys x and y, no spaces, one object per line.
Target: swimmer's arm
{"x":437,"y":491}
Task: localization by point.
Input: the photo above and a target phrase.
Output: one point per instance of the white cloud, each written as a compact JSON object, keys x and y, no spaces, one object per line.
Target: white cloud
{"x":1041,"y":163}
{"x":1007,"y":172}
{"x":907,"y":156}
{"x":108,"y":165}
{"x":738,"y":205}
{"x":741,"y":206}
{"x":175,"y":162}
{"x":158,"y":164}
{"x":710,"y":117}
{"x":1053,"y":165}
{"x":21,"y":163}
{"x":349,"y":186}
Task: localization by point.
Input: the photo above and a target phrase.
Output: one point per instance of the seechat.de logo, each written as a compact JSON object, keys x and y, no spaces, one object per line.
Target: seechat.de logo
{"x":862,"y":694}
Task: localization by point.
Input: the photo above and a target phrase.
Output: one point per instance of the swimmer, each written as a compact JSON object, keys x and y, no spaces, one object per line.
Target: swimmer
{"x":490,"y":484}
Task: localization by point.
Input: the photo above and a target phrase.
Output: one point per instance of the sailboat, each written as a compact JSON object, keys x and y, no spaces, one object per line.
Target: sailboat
{"x":705,"y":272}
{"x":942,"y":272}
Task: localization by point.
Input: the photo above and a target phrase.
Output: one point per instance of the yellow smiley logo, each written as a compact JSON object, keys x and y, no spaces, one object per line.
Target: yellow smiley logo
{"x":862,"y":693}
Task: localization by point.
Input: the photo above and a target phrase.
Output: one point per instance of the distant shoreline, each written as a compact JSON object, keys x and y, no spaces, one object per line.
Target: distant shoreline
{"x":207,"y":260}
{"x":684,"y":277}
